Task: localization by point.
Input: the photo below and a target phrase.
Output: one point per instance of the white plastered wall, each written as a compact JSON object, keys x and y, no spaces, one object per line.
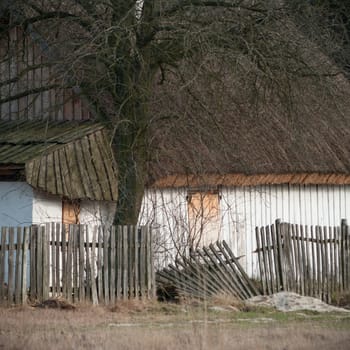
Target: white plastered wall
{"x":97,"y":212}
{"x":16,"y":204}
{"x":46,"y":208}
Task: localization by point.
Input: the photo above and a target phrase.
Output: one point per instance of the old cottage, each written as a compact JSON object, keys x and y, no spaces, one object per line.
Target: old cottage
{"x":216,"y":171}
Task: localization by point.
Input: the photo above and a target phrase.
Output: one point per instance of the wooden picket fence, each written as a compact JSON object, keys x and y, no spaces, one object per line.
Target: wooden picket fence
{"x":75,"y":262}
{"x":312,"y":261}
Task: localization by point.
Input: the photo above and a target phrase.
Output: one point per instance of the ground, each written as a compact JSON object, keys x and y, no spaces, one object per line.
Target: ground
{"x":151,"y":325}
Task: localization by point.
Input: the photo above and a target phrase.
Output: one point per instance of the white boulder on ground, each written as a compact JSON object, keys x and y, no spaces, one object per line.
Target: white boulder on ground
{"x":288,"y":301}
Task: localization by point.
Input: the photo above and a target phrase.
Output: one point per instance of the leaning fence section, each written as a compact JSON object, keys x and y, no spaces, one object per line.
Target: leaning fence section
{"x":206,"y":272}
{"x":76,"y":262}
{"x":310,"y":260}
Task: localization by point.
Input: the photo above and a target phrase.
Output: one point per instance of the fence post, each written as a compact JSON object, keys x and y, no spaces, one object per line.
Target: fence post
{"x":345,"y":253}
{"x":19,"y":262}
{"x":280,"y":254}
{"x":46,"y":260}
{"x":24,"y":263}
{"x":2,"y":264}
{"x":10,"y":283}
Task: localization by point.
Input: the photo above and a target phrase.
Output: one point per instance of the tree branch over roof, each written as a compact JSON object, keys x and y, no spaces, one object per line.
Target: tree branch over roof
{"x":175,"y":80}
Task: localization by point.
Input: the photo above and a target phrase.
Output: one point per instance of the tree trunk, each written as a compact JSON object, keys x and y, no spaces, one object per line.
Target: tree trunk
{"x":131,"y":160}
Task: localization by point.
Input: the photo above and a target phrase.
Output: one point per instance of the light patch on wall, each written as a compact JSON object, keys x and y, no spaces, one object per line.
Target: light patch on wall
{"x":203,"y":217}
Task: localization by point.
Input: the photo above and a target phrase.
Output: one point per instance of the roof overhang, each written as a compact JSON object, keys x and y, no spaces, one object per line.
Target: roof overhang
{"x":251,"y":180}
{"x":72,"y":160}
{"x":12,"y":172}
{"x":82,"y":169}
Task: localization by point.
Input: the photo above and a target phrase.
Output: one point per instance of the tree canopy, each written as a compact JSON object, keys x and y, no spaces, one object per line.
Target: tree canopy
{"x":170,"y":66}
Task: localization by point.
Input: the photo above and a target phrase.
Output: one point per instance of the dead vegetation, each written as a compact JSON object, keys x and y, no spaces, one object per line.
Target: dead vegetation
{"x":192,"y":324}
{"x":342,"y":299}
{"x":55,"y":303}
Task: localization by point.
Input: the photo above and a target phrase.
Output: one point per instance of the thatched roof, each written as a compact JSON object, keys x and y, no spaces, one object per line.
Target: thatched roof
{"x":216,"y":123}
{"x":231,"y":133}
{"x":69,"y":159}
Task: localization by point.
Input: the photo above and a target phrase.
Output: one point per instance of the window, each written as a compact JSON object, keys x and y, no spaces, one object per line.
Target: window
{"x":203,"y":216}
{"x":70,"y":211}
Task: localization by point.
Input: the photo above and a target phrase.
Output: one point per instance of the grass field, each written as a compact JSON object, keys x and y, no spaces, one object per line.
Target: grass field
{"x":137,"y":325}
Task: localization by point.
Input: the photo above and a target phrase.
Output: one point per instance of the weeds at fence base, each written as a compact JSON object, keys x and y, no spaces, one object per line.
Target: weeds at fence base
{"x":341,"y":299}
{"x":55,"y":303}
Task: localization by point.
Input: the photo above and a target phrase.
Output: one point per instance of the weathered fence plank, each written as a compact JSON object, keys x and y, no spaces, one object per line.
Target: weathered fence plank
{"x":125,"y":262}
{"x":316,"y":260}
{"x":106,"y":263}
{"x":58,"y":266}
{"x":18,"y":280}
{"x":53,"y":261}
{"x":93,"y":267}
{"x":260,"y":261}
{"x":63,"y":234}
{"x":11,"y":268}
{"x":69,"y":264}
{"x":64,"y":260}
{"x":26,"y":235}
{"x":112,"y":268}
{"x":45,"y":262}
{"x":2,"y":264}
{"x":81,"y":270}
{"x":207,"y":272}
{"x":99,"y":266}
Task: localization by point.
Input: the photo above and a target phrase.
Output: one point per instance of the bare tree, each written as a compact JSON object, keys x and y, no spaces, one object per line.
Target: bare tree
{"x":166,"y":76}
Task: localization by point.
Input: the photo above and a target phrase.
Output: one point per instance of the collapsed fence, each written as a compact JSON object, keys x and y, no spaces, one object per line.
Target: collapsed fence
{"x":211,"y":271}
{"x":312,"y":261}
{"x":76,"y":262}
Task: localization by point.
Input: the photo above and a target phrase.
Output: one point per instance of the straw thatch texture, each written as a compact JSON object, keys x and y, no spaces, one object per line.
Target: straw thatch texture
{"x":234,"y":131}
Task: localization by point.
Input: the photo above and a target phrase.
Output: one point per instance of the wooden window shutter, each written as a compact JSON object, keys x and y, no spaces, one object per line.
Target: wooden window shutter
{"x":203,"y":216}
{"x":70,"y":212}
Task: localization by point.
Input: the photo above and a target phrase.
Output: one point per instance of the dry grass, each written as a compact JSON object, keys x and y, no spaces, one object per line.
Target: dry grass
{"x":188,"y":326}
